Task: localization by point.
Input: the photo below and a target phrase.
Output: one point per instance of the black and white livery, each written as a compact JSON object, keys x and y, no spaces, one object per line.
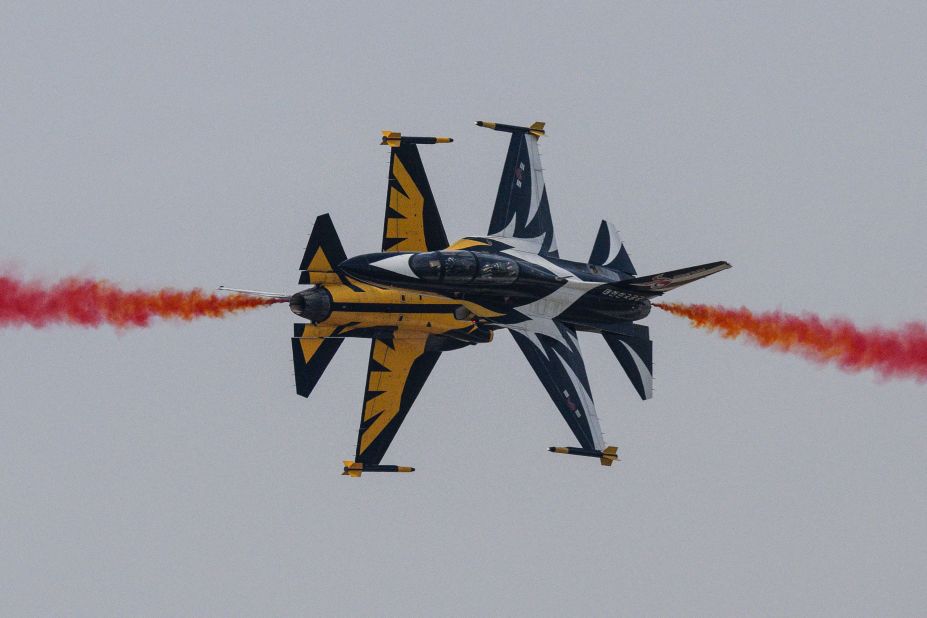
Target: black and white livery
{"x":513,"y":278}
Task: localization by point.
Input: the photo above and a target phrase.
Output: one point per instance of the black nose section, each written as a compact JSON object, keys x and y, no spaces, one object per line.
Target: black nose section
{"x":357,"y":267}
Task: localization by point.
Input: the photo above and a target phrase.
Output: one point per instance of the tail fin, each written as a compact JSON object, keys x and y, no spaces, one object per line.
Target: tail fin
{"x":635,"y":353}
{"x":609,"y":251}
{"x":323,"y":253}
{"x":655,"y":285}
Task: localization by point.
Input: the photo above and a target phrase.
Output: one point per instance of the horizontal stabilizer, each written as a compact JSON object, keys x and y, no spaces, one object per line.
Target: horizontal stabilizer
{"x":635,"y":353}
{"x":311,"y":357}
{"x":323,"y":252}
{"x":607,"y":456}
{"x":355,"y":469}
{"x":655,"y":285}
{"x":609,"y":251}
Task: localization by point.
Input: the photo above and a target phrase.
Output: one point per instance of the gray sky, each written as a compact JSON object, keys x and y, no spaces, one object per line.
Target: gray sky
{"x":174,"y":471}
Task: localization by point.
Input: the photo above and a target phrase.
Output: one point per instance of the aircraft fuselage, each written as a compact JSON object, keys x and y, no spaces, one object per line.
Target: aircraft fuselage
{"x":508,"y":286}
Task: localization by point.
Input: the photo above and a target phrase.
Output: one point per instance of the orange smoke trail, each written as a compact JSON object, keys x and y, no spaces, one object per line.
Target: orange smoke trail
{"x":94,"y":302}
{"x":897,"y":353}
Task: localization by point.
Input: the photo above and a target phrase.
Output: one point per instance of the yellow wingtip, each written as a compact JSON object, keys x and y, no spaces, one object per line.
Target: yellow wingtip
{"x":391,"y":138}
{"x":352,"y":469}
{"x":609,"y":455}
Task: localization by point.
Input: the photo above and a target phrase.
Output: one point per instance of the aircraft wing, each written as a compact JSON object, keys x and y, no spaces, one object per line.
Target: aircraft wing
{"x":412,"y":222}
{"x":552,"y":349}
{"x":521,"y":211}
{"x":396,"y":372}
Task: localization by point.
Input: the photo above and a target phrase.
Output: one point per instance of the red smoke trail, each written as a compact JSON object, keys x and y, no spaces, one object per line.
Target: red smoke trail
{"x":897,"y":353}
{"x":92,"y":302}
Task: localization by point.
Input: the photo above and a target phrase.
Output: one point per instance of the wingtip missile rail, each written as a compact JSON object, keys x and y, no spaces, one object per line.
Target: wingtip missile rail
{"x":606,"y":457}
{"x":536,"y":129}
{"x":355,"y":469}
{"x":394,"y":139}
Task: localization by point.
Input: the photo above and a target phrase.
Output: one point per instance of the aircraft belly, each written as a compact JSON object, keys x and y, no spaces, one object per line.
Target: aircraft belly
{"x":558,"y":301}
{"x":371,"y":310}
{"x":597,"y":316}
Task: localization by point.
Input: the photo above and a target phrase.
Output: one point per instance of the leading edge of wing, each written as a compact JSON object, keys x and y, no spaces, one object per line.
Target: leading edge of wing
{"x":552,"y":350}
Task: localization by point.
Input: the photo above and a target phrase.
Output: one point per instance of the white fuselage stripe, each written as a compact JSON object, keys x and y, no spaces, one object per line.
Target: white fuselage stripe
{"x":398,"y":264}
{"x":562,"y":298}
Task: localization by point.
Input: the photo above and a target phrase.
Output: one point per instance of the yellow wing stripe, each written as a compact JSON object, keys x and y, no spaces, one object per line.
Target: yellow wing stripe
{"x":320,"y":262}
{"x":312,"y":339}
{"x":410,"y":228}
{"x":390,"y":384}
{"x":310,"y":347}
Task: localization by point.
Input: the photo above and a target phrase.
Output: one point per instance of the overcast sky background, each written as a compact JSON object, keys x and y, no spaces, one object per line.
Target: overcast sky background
{"x":174,"y":471}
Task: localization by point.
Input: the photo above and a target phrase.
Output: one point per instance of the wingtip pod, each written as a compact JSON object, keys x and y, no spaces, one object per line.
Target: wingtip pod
{"x":395,"y":139}
{"x":606,"y":457}
{"x":536,"y":129}
{"x":352,"y":469}
{"x":355,"y":469}
{"x":609,"y":456}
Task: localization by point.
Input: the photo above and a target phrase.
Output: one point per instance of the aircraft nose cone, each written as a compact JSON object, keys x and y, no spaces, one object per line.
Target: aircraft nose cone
{"x":357,"y":267}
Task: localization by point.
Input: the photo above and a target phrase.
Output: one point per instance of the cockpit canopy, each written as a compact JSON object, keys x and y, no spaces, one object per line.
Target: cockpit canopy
{"x":461,"y":267}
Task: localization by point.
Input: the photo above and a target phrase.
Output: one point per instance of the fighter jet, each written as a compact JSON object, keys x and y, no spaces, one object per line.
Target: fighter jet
{"x":421,"y":296}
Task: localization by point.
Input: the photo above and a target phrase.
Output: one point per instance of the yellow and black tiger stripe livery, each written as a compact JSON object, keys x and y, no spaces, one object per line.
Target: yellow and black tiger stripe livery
{"x":411,"y":221}
{"x":396,"y":372}
{"x":355,"y":309}
{"x":408,"y":329}
{"x":323,"y":253}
